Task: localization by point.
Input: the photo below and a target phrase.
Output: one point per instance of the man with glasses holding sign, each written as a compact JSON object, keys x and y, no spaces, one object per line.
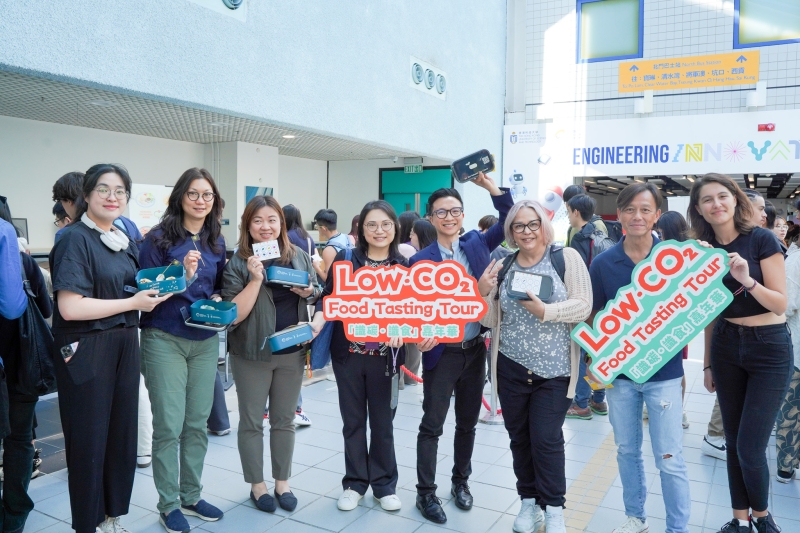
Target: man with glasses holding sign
{"x":458,"y":366}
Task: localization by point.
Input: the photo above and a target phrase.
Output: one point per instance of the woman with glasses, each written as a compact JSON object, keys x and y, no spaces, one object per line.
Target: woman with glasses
{"x":535,"y":364}
{"x":364,"y":372}
{"x":95,"y":323}
{"x":262,"y":375}
{"x":780,"y":228}
{"x":179,"y":363}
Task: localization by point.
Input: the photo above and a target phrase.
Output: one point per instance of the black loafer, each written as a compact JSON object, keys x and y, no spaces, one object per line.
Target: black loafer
{"x":265,"y":503}
{"x":431,"y":508}
{"x":462,"y":495}
{"x":287,"y":501}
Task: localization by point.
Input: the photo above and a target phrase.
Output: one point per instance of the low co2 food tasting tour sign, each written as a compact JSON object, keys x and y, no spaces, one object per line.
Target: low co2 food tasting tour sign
{"x":416,"y":303}
{"x":674,"y":293}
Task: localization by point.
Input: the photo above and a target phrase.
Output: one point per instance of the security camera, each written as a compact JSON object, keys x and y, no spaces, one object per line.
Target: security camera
{"x":394,"y":159}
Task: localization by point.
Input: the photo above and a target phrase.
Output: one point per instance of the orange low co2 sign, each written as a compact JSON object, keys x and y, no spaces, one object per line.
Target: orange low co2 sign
{"x":427,"y":300}
{"x":738,"y":68}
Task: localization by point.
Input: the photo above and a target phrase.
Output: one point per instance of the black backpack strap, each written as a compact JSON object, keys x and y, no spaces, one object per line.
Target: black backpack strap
{"x":557,"y":259}
{"x":501,"y":276}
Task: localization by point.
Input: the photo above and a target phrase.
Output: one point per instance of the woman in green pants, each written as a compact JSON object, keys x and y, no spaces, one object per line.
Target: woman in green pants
{"x":179,"y":363}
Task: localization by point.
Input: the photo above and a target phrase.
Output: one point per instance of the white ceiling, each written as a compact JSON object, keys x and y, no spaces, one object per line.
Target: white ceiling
{"x":63,"y":103}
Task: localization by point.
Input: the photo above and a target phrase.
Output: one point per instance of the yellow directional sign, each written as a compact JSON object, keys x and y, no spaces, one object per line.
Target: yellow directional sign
{"x":736,"y":68}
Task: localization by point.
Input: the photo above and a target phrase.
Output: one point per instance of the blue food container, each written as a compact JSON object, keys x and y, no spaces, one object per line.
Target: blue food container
{"x":290,"y":336}
{"x":146,"y":279}
{"x":287,"y":277}
{"x":223,"y":312}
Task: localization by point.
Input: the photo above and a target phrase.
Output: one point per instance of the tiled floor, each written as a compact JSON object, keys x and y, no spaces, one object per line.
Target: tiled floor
{"x":594,"y":498}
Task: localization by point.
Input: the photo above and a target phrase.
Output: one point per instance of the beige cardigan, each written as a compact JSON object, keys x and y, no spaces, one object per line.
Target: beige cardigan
{"x":576,"y":308}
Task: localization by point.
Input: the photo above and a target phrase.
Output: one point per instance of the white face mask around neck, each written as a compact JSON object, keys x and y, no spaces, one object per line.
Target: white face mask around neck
{"x":114,"y":239}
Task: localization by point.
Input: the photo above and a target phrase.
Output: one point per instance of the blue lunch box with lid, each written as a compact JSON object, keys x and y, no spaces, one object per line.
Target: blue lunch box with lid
{"x":288,"y":277}
{"x":290,"y":336}
{"x":174,"y":279}
{"x":222,"y":312}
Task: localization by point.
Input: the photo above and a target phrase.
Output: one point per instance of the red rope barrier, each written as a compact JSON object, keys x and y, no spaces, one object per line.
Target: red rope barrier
{"x":486,"y":405}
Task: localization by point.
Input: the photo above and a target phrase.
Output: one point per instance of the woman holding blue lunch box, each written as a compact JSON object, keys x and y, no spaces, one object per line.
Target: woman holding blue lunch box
{"x":179,"y":362}
{"x":262,"y":374}
{"x":94,"y":267}
{"x":367,"y":373}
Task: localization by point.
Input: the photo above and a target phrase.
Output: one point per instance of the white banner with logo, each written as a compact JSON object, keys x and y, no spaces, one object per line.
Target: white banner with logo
{"x":147,"y":205}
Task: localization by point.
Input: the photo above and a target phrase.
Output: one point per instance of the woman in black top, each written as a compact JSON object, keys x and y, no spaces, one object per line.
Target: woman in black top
{"x":97,"y":350}
{"x":748,"y":353}
{"x":364,"y":372}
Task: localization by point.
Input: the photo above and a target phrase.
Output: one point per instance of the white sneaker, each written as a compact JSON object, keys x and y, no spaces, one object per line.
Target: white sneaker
{"x":714,"y":447}
{"x":143,"y":461}
{"x":685,"y":421}
{"x":786,"y":477}
{"x":112,"y":525}
{"x":530,"y":517}
{"x":349,"y":500}
{"x":390,"y":502}
{"x":221,"y":433}
{"x":300,"y":419}
{"x":554,"y":520}
{"x":632,"y":525}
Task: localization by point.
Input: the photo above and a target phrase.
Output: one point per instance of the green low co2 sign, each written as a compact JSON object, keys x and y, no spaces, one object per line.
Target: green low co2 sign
{"x":674,"y":293}
{"x":412,"y":169}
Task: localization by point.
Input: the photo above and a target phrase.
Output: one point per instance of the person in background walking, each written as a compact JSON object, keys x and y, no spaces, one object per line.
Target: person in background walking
{"x":748,"y":349}
{"x":536,"y":367}
{"x":407,"y":219}
{"x":364,"y":373}
{"x":325,"y":220}
{"x":580,"y":210}
{"x":179,"y":363}
{"x":97,"y":350}
{"x":260,"y":374}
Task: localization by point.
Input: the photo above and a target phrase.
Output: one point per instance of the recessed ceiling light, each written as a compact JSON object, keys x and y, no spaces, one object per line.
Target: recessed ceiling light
{"x":103,"y":103}
{"x":589,"y":181}
{"x":610,"y":187}
{"x":214,"y":134}
{"x":288,"y":136}
{"x":217,"y":124}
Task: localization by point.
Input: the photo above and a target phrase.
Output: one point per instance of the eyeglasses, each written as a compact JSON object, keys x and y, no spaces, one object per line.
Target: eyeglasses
{"x":105,"y":193}
{"x":57,"y":223}
{"x":194,"y":195}
{"x":533,"y":225}
{"x":780,"y":226}
{"x":386,"y":225}
{"x":442,"y":213}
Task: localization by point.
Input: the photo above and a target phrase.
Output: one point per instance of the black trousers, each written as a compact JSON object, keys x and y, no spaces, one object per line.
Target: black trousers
{"x":365,"y":392}
{"x":218,"y":418}
{"x":98,"y":395}
{"x":534,"y":409}
{"x":17,"y":461}
{"x":464,"y":372}
{"x":752,"y":367}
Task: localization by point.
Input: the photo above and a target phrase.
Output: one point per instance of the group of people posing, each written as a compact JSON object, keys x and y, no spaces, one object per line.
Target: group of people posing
{"x":535,"y":365}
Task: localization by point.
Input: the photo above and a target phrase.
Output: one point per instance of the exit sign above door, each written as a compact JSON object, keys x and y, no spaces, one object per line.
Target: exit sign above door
{"x":412,"y":169}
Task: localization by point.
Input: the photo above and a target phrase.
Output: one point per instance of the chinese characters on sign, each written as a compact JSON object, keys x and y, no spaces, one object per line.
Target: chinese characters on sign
{"x":689,"y":72}
{"x":675,"y":293}
{"x":426,"y":300}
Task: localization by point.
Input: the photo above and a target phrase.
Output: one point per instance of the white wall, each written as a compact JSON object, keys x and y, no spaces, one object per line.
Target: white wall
{"x":35,"y":154}
{"x":303,"y":183}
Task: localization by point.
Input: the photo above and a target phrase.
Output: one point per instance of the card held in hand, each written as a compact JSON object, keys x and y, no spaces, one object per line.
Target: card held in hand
{"x":266,"y":250}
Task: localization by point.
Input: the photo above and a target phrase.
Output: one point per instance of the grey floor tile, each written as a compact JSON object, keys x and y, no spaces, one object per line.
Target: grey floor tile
{"x":46,"y":486}
{"x":38,"y":521}
{"x":317,"y":481}
{"x":493,"y":498}
{"x":310,"y":455}
{"x":241,"y":519}
{"x":375,"y":520}
{"x":59,"y":527}
{"x":57,"y":507}
{"x":323,"y":513}
{"x":290,"y":526}
{"x":476,"y":519}
{"x":605,"y":519}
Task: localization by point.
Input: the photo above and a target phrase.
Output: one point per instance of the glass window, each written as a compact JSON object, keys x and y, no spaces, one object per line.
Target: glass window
{"x":609,"y":29}
{"x":766,"y":22}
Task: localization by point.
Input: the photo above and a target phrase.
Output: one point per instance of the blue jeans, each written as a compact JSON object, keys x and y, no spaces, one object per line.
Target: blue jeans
{"x":583,"y":390}
{"x":663,"y":400}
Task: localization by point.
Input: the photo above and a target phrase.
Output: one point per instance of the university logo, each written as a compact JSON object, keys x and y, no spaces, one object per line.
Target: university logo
{"x":513,"y":138}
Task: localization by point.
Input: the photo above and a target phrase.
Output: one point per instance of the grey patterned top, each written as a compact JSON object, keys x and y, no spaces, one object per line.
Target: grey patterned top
{"x":542,"y":347}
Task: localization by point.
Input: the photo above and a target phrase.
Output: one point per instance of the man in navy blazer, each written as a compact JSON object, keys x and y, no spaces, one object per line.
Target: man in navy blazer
{"x":458,"y":366}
